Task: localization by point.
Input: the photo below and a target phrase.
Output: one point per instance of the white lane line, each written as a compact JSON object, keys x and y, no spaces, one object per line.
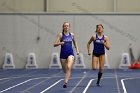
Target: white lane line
{"x":124,"y":89}
{"x":28,"y":89}
{"x":51,"y":86}
{"x":89,"y":83}
{"x":79,"y":82}
{"x":17,"y":85}
{"x":123,"y":85}
{"x":117,"y":81}
{"x":4,"y":78}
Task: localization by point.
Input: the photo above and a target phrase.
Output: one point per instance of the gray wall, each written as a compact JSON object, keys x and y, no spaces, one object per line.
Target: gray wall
{"x":19,"y":32}
{"x":69,"y":6}
{"x":74,"y":6}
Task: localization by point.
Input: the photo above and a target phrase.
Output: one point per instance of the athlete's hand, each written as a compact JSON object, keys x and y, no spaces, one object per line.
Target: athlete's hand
{"x":61,"y":43}
{"x":103,"y":42}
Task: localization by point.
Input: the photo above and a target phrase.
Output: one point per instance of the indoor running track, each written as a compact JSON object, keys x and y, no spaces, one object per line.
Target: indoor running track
{"x":81,"y":81}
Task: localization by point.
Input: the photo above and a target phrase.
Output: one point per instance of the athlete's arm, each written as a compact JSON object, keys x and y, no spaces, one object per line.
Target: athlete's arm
{"x":106,"y":43}
{"x":88,"y":44}
{"x":57,"y":41}
{"x":75,"y":44}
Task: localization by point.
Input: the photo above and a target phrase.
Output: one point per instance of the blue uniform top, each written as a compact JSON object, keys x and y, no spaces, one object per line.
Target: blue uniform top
{"x":66,"y":49}
{"x":99,"y":48}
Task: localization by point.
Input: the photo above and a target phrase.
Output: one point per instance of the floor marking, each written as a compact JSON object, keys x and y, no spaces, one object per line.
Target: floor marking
{"x":85,"y":90}
{"x":16,"y":85}
{"x":117,"y":82}
{"x":34,"y":85}
{"x":124,"y":89}
{"x":89,"y":83}
{"x":33,"y":77}
{"x":51,"y":86}
{"x":123,"y":85}
{"x":79,"y":82}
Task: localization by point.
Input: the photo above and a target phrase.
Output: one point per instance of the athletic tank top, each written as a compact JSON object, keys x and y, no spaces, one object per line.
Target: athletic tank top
{"x":67,"y":39}
{"x":98,"y":46}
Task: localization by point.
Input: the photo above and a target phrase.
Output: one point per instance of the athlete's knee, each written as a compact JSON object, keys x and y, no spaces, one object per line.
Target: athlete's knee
{"x":69,"y":68}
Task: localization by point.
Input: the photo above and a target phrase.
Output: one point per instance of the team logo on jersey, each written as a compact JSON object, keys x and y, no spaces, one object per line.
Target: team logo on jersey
{"x":98,"y":41}
{"x":67,"y":40}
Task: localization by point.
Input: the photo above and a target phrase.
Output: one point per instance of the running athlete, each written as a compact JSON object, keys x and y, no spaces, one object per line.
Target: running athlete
{"x":65,"y":39}
{"x":100,"y":42}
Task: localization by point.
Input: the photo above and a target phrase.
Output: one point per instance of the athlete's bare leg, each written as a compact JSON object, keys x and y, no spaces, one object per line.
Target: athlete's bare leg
{"x":68,"y":69}
{"x":63,"y":64}
{"x":94,"y":62}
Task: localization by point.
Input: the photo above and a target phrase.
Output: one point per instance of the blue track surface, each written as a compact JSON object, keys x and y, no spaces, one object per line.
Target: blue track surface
{"x":51,"y":81}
